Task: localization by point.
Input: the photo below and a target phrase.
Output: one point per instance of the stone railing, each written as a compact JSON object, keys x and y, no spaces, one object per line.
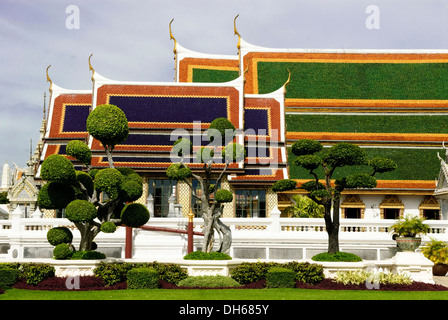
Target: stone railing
{"x":272,"y":234}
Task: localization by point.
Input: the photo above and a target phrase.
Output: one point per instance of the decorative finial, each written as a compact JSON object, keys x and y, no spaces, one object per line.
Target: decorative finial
{"x":90,"y":66}
{"x":49,"y":79}
{"x":287,"y":81}
{"x":236,"y":32}
{"x":172,"y":37}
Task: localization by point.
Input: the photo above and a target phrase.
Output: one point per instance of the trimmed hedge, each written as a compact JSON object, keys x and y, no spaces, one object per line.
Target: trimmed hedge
{"x":338,"y":256}
{"x":142,"y":278}
{"x":36,"y":273}
{"x":280,"y":278}
{"x":113,"y":273}
{"x":199,"y":255}
{"x":8,"y":276}
{"x":209,"y":282}
{"x":305,"y":272}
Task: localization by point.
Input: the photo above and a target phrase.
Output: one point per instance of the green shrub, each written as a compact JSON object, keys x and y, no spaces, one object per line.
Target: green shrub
{"x":142,"y":278}
{"x":361,"y":276}
{"x":108,"y":124}
{"x":88,"y":255}
{"x":35,"y":273}
{"x":108,"y":227}
{"x":112,"y":273}
{"x":8,"y":276}
{"x":80,"y":151}
{"x":280,"y":278}
{"x":338,"y":256}
{"x":62,"y":251}
{"x":199,"y":255}
{"x":134,"y":215}
{"x":284,"y":185}
{"x":305,"y":272}
{"x":223,"y":196}
{"x":108,"y":180}
{"x":80,"y":211}
{"x":59,"y":235}
{"x":57,"y":168}
{"x":55,"y":195}
{"x":209,"y":282}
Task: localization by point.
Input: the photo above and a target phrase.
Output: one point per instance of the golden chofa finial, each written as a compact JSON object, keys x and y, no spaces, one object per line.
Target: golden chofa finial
{"x":172,"y":37}
{"x":236,"y":32}
{"x":287,"y":81}
{"x":90,"y":66}
{"x":49,"y":79}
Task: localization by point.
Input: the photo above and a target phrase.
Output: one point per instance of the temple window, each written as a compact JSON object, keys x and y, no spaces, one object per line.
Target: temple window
{"x":391,"y":207}
{"x":161,"y":190}
{"x":353,"y":207}
{"x":429,"y":208}
{"x":250,"y":203}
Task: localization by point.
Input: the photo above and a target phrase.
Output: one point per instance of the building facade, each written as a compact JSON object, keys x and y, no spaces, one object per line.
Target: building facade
{"x":393,"y":103}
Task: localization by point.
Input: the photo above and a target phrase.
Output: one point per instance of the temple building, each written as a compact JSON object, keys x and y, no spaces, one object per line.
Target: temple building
{"x":392,"y":103}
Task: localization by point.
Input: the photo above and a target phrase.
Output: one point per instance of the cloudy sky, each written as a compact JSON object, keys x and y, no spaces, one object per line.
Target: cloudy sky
{"x":130,"y":41}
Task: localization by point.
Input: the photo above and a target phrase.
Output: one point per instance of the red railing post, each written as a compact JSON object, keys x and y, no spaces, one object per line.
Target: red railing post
{"x":128,"y":245}
{"x":190,"y":232}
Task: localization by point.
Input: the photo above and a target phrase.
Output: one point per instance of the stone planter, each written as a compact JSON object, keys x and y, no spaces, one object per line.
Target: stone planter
{"x":408,"y":244}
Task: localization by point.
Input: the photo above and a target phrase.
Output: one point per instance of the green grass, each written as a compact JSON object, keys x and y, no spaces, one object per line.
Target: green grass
{"x":225,"y":294}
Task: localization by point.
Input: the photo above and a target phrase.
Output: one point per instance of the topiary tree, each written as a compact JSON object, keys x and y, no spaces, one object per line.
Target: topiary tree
{"x":211,"y":196}
{"x":310,"y":155}
{"x":79,"y":192}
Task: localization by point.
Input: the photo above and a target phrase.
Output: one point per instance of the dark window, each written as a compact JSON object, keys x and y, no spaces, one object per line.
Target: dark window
{"x":391,"y":213}
{"x":353,"y":213}
{"x":250,"y":203}
{"x":161,"y":190}
{"x":431,"y":214}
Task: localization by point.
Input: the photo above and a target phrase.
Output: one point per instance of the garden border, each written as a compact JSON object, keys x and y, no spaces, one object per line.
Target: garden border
{"x":413,"y":263}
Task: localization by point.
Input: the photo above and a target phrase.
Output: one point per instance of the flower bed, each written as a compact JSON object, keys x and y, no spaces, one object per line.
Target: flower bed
{"x":95,"y":283}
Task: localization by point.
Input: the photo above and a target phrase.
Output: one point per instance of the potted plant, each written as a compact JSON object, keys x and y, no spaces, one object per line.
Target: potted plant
{"x":407,"y":231}
{"x":437,"y":252}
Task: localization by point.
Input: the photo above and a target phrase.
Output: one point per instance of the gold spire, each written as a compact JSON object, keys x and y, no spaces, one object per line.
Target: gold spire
{"x":287,"y":81}
{"x":49,"y":79}
{"x":172,"y":37}
{"x":90,"y":66}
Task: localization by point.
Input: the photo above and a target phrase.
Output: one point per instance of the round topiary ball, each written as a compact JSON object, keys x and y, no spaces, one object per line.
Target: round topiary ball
{"x":80,"y":211}
{"x":62,"y":251}
{"x":108,"y":180}
{"x":80,"y":151}
{"x":108,"y":227}
{"x":86,"y":180}
{"x":224,"y":195}
{"x":130,"y":190}
{"x":59,"y":235}
{"x":58,"y":168}
{"x":55,"y":195}
{"x":108,"y":124}
{"x":134,"y":215}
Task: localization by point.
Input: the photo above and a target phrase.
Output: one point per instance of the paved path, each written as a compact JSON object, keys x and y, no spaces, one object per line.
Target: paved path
{"x":441,"y":280}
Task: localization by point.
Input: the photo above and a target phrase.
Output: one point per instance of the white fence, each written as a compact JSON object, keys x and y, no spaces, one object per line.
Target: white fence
{"x":253,"y":238}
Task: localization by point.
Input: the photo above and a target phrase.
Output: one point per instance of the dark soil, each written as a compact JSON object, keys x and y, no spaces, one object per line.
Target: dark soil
{"x":95,"y":283}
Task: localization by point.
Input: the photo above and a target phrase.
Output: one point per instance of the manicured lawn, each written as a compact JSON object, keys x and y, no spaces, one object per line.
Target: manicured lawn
{"x":226,"y":294}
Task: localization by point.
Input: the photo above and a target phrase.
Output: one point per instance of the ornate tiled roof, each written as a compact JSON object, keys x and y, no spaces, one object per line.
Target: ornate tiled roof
{"x":392,"y":102}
